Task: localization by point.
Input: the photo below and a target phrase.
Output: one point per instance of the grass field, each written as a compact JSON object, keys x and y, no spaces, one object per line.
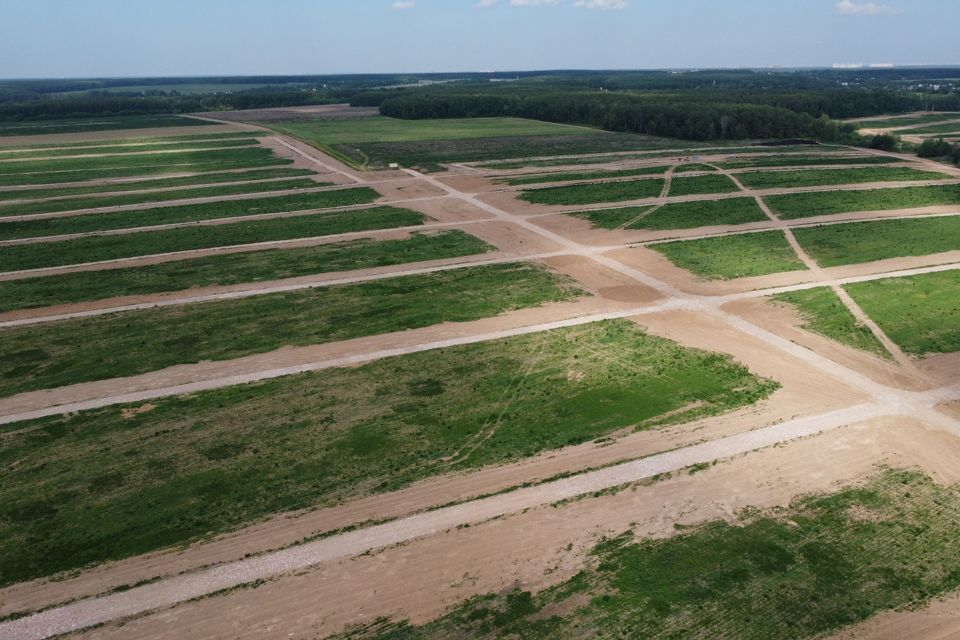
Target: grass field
{"x":132,"y":140}
{"x":112,"y":247}
{"x":597,"y":192}
{"x":735,"y":256}
{"x":107,"y":123}
{"x":952,"y":127}
{"x":856,"y":242}
{"x":119,"y":200}
{"x":678,"y":215}
{"x":693,"y":167}
{"x":254,"y":266}
{"x":594,"y":175}
{"x":155,"y":183}
{"x":111,"y":483}
{"x":823,"y":312}
{"x":906,"y":121}
{"x":169,"y":147}
{"x":171,"y":214}
{"x":920,"y":313}
{"x":806,"y":571}
{"x":692,"y":185}
{"x":799,"y":161}
{"x":821,"y":203}
{"x":817,"y":177}
{"x":72,"y":351}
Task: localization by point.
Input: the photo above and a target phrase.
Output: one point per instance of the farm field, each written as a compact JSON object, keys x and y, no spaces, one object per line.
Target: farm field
{"x":818,"y":177}
{"x":907,"y":121}
{"x":197,"y":144}
{"x":686,"y":186}
{"x":48,"y":127}
{"x":595,"y":192}
{"x":572,"y":177}
{"x":735,"y":256}
{"x":678,"y":215}
{"x":818,"y":203}
{"x":824,"y":313}
{"x":949,"y":127}
{"x":798,"y":161}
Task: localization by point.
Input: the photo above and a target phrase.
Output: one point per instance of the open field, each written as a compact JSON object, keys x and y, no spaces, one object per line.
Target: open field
{"x":834,"y":245}
{"x":739,"y":256}
{"x":920,"y":313}
{"x":799,"y":161}
{"x":73,"y":351}
{"x":218,"y":459}
{"x":825,"y":562}
{"x":951,"y":127}
{"x":691,"y":167}
{"x":171,"y":214}
{"x":113,"y":247}
{"x":821,"y":203}
{"x":132,"y":141}
{"x":15,"y":153}
{"x":907,"y":121}
{"x":678,"y":215}
{"x":817,"y":177}
{"x":44,"y":127}
{"x":234,"y":268}
{"x":686,"y":186}
{"x":595,"y":192}
{"x":588,"y":175}
{"x":823,"y":312}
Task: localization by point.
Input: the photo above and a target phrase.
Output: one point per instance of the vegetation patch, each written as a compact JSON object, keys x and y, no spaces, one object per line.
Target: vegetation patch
{"x":592,"y":193}
{"x":570,"y":177}
{"x":690,"y":215}
{"x":170,"y":147}
{"x":113,"y":247}
{"x":701,"y":184}
{"x":735,"y":256}
{"x":822,"y":203}
{"x":817,"y":177}
{"x":826,"y":562}
{"x":56,"y":354}
{"x":920,"y":313}
{"x":692,"y":167}
{"x":611,"y":218}
{"x":212,"y":461}
{"x":823,"y":312}
{"x":235,"y":268}
{"x":172,"y":214}
{"x":42,"y":127}
{"x":799,"y":161}
{"x":855,"y":242}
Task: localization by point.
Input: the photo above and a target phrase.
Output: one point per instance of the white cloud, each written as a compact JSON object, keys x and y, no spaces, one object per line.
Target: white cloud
{"x":400,"y":5}
{"x":851,"y":8}
{"x":533,"y":3}
{"x":601,"y":4}
{"x":483,"y":4}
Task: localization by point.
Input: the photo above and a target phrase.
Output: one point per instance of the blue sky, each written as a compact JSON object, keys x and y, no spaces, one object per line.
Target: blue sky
{"x":77,"y":38}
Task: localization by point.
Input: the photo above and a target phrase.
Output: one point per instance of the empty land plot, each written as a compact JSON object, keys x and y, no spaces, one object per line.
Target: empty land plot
{"x":173,"y":214}
{"x":906,"y":121}
{"x":71,"y":351}
{"x":594,"y":175}
{"x":735,"y":256}
{"x":821,"y":203}
{"x":856,"y":242}
{"x":155,"y":183}
{"x":168,"y":147}
{"x":191,"y":238}
{"x":817,"y":177}
{"x":86,"y":489}
{"x":826,"y":561}
{"x":693,"y":185}
{"x":611,"y":218}
{"x":823,"y":312}
{"x":41,"y":127}
{"x":678,"y":215}
{"x":951,"y":127}
{"x":134,"y":141}
{"x":235,"y":268}
{"x":592,"y":193}
{"x":794,"y":161}
{"x":119,"y":200}
{"x":920,"y":313}
{"x":693,"y":167}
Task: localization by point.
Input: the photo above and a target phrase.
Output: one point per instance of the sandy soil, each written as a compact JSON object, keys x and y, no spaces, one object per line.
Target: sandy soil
{"x":939,"y":620}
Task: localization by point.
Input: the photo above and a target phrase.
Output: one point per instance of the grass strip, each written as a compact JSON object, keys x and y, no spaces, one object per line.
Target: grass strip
{"x":735,"y":256}
{"x":821,"y":203}
{"x":693,"y":185}
{"x":825,"y":177}
{"x":823,"y":312}
{"x":592,"y":193}
{"x":571,"y":177}
{"x":63,"y":166}
{"x":793,"y":161}
{"x":106,"y":123}
{"x":178,"y":147}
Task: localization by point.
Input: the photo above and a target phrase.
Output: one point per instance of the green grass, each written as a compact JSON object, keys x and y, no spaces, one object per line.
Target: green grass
{"x":171,"y":214}
{"x":736,"y":256}
{"x":920,"y":313}
{"x":611,"y":218}
{"x":953,"y":127}
{"x":570,"y":177}
{"x":108,"y":483}
{"x":112,"y":247}
{"x":678,"y":215}
{"x":818,"y":177}
{"x":72,"y":351}
{"x":794,"y":161}
{"x":856,"y":242}
{"x":119,"y":200}
{"x":236,"y":268}
{"x":178,"y":147}
{"x":595,"y":192}
{"x":701,"y":184}
{"x":692,"y":167}
{"x":821,"y":203}
{"x":906,"y":121}
{"x":135,"y":140}
{"x":806,"y":571}
{"x":156,"y":183}
{"x":823,"y":312}
{"x":106,"y":123}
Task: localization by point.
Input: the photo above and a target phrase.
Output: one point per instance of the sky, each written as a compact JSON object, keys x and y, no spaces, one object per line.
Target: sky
{"x":118,"y":38}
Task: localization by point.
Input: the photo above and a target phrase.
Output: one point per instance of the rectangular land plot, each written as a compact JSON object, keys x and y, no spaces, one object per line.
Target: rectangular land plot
{"x":823,"y":312}
{"x":587,"y":175}
{"x":920,"y":313}
{"x":734,"y":256}
{"x":907,"y":121}
{"x":687,"y":186}
{"x":594,"y":193}
{"x":190,"y":238}
{"x":169,"y":147}
{"x":106,"y":123}
{"x":799,"y":161}
{"x":677,"y":215}
{"x":822,"y":203}
{"x":818,"y":177}
{"x":855,"y":242}
{"x":320,"y":439}
{"x":235,"y":268}
{"x":72,"y":351}
{"x":175,"y":214}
